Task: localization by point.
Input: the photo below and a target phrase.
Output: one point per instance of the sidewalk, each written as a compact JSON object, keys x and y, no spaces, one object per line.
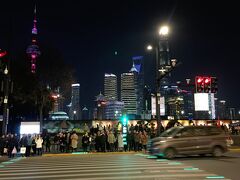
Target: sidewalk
{"x":87,"y":153}
{"x":3,"y":159}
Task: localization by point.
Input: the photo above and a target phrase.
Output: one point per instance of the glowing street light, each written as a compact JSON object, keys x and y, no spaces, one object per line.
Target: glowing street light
{"x":149,"y":47}
{"x":74,"y":115}
{"x":163,"y":31}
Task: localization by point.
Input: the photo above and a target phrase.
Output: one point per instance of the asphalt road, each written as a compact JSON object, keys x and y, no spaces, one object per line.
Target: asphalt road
{"x":108,"y":166}
{"x":227,"y":166}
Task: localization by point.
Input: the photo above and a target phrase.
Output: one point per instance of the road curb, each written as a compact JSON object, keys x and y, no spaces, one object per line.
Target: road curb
{"x":93,"y":153}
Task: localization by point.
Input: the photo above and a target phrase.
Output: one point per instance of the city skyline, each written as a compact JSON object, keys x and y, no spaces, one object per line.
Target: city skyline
{"x":200,"y":39}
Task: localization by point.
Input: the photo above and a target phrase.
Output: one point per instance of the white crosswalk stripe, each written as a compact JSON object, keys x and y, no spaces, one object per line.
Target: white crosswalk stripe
{"x":101,"y":167}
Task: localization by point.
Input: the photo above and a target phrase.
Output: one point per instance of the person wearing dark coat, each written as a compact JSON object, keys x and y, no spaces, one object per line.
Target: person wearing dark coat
{"x":23,"y":142}
{"x":2,"y":144}
{"x":85,"y":142}
{"x":103,"y":142}
{"x":97,"y":141}
{"x":62,"y":143}
{"x":130,"y":139}
{"x":12,"y":142}
{"x":47,"y":143}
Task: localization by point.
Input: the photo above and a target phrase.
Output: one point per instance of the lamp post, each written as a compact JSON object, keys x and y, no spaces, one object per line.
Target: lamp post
{"x":163,"y":68}
{"x":5,"y":102}
{"x":5,"y":94}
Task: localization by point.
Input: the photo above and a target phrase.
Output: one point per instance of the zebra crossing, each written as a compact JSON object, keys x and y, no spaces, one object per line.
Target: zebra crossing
{"x":101,"y":167}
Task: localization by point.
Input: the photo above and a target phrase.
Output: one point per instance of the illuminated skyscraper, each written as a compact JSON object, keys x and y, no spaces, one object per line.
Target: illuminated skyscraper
{"x":75,"y":102}
{"x":85,"y":113}
{"x":114,"y":109}
{"x":110,"y":87}
{"x":138,"y":70}
{"x":33,"y":49}
{"x":101,"y":105}
{"x":128,"y":92}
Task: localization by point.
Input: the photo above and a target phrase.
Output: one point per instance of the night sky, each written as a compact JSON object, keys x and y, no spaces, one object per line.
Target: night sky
{"x":203,"y":36}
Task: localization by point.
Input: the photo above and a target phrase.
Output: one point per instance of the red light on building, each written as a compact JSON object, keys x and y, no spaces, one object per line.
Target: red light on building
{"x":2,"y":53}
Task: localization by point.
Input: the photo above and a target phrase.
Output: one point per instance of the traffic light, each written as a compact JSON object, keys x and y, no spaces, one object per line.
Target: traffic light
{"x":124,"y":120}
{"x":207,"y":84}
{"x":214,"y":86}
{"x":199,"y":83}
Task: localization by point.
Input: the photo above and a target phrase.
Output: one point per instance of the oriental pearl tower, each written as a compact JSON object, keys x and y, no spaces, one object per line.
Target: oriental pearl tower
{"x":33,"y":49}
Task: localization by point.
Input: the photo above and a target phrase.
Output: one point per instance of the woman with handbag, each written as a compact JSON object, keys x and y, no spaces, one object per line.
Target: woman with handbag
{"x":11,"y":145}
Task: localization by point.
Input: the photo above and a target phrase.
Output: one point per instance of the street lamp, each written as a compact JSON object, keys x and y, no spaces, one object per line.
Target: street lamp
{"x":149,"y":47}
{"x":163,"y":68}
{"x":74,"y":114}
{"x":5,"y":94}
{"x":163,"y":31}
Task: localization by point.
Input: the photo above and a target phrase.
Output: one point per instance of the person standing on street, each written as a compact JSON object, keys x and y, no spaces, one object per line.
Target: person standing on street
{"x":103,"y":141}
{"x":74,"y":141}
{"x":47,"y":143}
{"x":11,"y":145}
{"x":39,"y":142}
{"x":120,"y":141}
{"x":2,"y":145}
{"x":62,"y":143}
{"x":111,"y":141}
{"x":144,"y":140}
{"x":136,"y":141}
{"x":85,"y":142}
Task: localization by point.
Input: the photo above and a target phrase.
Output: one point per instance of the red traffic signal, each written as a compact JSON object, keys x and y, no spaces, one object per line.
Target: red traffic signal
{"x":206,"y":84}
{"x":207,"y":80}
{"x":199,"y":83}
{"x":199,"y":79}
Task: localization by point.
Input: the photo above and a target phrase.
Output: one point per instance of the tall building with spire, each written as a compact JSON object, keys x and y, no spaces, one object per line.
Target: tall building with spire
{"x":138,"y":70}
{"x":33,"y":49}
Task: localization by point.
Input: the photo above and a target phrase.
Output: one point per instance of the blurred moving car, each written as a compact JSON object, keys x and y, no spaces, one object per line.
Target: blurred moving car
{"x":190,"y":140}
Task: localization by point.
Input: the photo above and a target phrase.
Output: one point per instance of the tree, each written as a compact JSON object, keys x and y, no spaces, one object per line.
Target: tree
{"x":31,"y":92}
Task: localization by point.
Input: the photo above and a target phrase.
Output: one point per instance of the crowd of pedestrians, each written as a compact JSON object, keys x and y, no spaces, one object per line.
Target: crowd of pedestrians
{"x":99,"y":139}
{"x":31,"y":144}
{"x":11,"y":144}
{"x":94,"y":139}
